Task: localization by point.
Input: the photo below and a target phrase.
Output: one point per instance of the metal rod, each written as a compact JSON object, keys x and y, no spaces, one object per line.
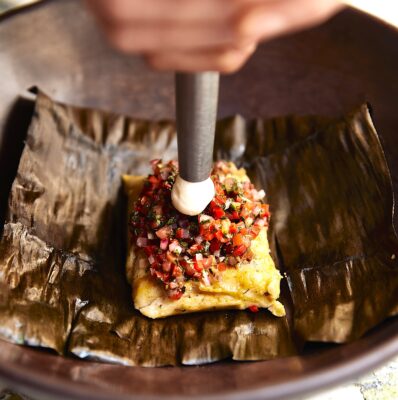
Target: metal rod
{"x":196,"y":112}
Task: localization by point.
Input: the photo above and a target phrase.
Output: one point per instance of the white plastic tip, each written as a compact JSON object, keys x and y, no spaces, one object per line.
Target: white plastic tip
{"x":191,"y":198}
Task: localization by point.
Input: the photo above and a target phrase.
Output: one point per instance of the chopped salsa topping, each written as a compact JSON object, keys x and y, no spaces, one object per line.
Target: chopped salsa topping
{"x":180,"y":248}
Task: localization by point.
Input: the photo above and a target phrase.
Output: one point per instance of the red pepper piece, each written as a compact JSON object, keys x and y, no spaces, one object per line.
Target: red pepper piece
{"x":222,"y":266}
{"x":240,"y":250}
{"x":218,"y":212}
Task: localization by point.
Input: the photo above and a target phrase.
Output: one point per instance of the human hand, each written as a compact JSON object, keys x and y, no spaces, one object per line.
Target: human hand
{"x":203,"y":35}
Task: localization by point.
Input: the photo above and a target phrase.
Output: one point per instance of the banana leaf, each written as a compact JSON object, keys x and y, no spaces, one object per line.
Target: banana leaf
{"x":62,"y":251}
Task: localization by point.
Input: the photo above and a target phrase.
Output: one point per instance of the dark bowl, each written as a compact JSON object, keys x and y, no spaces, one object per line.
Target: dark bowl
{"x":328,"y":70}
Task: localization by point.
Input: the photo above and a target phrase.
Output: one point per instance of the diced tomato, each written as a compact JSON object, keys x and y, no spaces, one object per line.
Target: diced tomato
{"x":220,"y":198}
{"x":212,"y":205}
{"x":153,"y":179}
{"x":195,"y":248}
{"x":164,"y":233}
{"x":176,"y":270}
{"x":233,"y":228}
{"x":198,"y":265}
{"x":222,"y":266}
{"x":240,"y":250}
{"x":154,"y":224}
{"x":218,"y":212}
{"x":171,"y":257}
{"x":149,"y":250}
{"x":235,"y":215}
{"x":166,"y":266}
{"x":249,"y":254}
{"x":182,"y":233}
{"x":228,"y":248}
{"x":214,"y":245}
{"x":237,"y":239}
{"x":206,"y":227}
{"x":220,"y":237}
{"x":160,"y":258}
{"x":190,"y":269}
{"x":144,"y":200}
{"x":175,"y":294}
{"x":254,"y":231}
{"x":253,"y":308}
{"x":208,"y":236}
{"x":250,"y":205}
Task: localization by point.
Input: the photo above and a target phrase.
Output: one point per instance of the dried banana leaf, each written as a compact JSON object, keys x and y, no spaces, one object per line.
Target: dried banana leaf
{"x":330,"y":189}
{"x":62,"y":252}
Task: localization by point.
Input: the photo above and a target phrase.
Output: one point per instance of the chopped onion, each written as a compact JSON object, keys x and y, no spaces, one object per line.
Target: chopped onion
{"x":164,"y":244}
{"x":173,"y":285}
{"x":178,"y":250}
{"x":142,"y":242}
{"x":175,"y":247}
{"x":257,"y":210}
{"x":249,"y":221}
{"x":155,"y":161}
{"x":189,"y":269}
{"x":151,"y":259}
{"x":260,"y":222}
{"x":164,"y":232}
{"x":199,"y":257}
{"x":205,"y":218}
{"x":205,"y":278}
{"x":166,"y":266}
{"x":199,"y":239}
{"x":216,"y":253}
{"x":185,"y":234}
{"x":260,"y":194}
{"x":151,"y":236}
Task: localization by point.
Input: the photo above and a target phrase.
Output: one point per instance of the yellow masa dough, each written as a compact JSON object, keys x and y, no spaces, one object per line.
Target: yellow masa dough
{"x":254,"y":283}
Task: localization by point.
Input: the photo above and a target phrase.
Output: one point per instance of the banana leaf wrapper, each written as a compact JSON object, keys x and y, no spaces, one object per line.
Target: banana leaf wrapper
{"x":62,"y":251}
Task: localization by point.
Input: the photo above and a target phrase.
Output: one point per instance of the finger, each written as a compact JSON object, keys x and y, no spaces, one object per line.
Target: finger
{"x":127,"y":11}
{"x":270,"y":19}
{"x":173,"y":37}
{"x":223,"y":60}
